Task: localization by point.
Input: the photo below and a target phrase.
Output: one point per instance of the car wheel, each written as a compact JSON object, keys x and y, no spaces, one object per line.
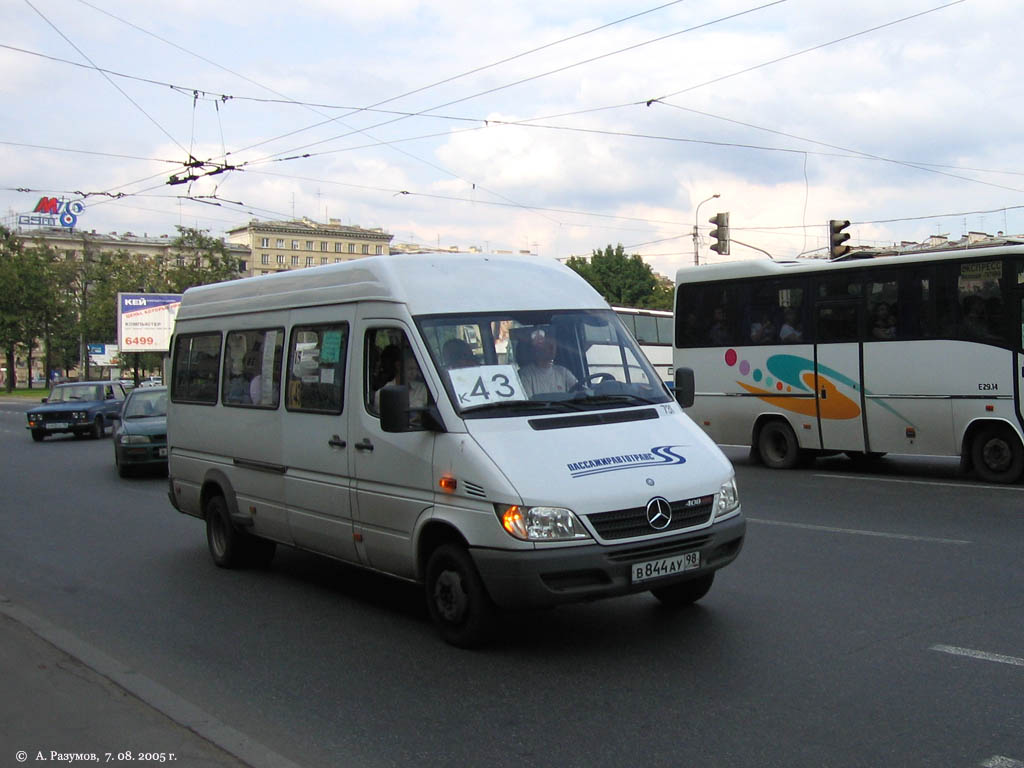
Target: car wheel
{"x":123,"y":470}
{"x":684,"y":593}
{"x":98,"y":430}
{"x":457,"y":600}
{"x":38,"y":435}
{"x":778,"y":446}
{"x":997,"y":454}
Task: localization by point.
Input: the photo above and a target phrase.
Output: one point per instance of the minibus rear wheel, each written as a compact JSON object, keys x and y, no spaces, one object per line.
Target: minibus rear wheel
{"x":231,"y":547}
{"x":684,"y":593}
{"x":456,"y":597}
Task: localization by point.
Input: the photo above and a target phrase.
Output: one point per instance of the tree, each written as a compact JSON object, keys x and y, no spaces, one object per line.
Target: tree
{"x":623,"y":281}
{"x":16,"y":292}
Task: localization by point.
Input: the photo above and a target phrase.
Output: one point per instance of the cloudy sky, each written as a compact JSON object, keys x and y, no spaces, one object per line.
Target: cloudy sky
{"x":554,"y":127}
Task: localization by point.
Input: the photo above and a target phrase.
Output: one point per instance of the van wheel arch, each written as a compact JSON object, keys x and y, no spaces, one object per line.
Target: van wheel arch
{"x":433,"y":535}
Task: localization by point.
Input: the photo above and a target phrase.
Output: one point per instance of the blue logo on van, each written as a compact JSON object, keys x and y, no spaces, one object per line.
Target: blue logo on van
{"x":659,"y":456}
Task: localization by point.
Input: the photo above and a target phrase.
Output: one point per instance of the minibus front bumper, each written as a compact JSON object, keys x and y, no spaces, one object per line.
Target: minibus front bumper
{"x":550,"y":576}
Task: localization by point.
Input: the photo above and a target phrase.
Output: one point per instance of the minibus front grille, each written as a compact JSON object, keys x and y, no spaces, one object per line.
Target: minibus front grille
{"x":630,"y":523}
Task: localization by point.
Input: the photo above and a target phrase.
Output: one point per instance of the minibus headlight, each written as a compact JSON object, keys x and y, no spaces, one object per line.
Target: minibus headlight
{"x":728,"y":500}
{"x":540,"y":523}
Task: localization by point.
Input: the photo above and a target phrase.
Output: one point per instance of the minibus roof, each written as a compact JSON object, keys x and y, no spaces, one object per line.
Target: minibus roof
{"x":428,"y":284}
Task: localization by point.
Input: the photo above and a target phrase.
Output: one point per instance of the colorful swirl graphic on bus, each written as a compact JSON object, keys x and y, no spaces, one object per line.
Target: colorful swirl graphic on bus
{"x":784,"y":376}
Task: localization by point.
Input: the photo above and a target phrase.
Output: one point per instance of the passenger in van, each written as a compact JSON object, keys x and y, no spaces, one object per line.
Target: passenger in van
{"x":790,"y":332}
{"x":542,"y":373}
{"x":411,"y":376}
{"x":458,"y":354}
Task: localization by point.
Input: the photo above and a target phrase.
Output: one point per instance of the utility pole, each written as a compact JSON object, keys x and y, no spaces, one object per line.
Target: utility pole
{"x":696,"y":238}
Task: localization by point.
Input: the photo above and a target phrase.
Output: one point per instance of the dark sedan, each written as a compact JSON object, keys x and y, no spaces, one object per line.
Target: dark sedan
{"x":84,"y":408}
{"x":140,"y":439}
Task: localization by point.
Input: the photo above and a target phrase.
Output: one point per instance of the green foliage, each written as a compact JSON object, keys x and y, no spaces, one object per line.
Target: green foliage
{"x":624,"y":281}
{"x":63,"y":302}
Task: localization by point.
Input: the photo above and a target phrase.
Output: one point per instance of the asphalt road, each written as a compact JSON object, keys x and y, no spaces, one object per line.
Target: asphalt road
{"x":874,"y":618}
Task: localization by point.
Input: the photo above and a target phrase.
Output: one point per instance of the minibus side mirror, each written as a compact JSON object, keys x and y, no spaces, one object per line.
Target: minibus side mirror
{"x":397,"y":416}
{"x":686,"y":388}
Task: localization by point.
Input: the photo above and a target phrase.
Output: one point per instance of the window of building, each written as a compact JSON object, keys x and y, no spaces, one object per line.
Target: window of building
{"x":379,"y":250}
{"x":280,"y":242}
{"x":309,"y":261}
{"x":295,"y":245}
{"x":323,"y":259}
{"x":351,"y":247}
{"x":280,"y":259}
{"x":264,"y":242}
{"x":264,"y":258}
{"x":366,"y":248}
{"x":309,"y":245}
{"x":337,"y":247}
{"x":252,"y":368}
{"x":295,"y":261}
{"x":323,"y":245}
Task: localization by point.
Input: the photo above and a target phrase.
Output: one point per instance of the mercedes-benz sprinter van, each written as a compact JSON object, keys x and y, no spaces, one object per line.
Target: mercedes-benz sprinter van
{"x":483,"y":425}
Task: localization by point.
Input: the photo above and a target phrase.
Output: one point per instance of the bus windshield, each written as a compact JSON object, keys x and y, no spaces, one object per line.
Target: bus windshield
{"x":514,"y":363}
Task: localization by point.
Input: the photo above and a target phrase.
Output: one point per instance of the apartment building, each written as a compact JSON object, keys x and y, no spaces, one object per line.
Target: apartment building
{"x":276,"y":246}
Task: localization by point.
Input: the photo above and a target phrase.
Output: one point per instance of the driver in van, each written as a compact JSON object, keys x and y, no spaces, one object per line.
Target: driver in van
{"x":541,"y":373}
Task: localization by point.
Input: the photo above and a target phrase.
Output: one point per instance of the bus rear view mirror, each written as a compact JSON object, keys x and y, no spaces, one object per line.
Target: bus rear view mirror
{"x":685,"y":388}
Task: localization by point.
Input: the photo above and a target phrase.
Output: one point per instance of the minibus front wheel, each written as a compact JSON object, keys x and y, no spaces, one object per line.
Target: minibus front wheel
{"x":456,"y":597}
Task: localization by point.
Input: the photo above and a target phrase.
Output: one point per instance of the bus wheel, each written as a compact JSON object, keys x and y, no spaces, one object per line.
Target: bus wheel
{"x":456,"y":597}
{"x":997,"y":454}
{"x":777,"y":445}
{"x":684,"y":593}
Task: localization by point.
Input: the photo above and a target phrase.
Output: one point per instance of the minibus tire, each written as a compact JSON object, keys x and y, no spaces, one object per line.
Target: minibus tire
{"x":997,"y":454}
{"x":684,"y":593}
{"x":457,"y":600}
{"x":777,"y":445}
{"x":222,"y":537}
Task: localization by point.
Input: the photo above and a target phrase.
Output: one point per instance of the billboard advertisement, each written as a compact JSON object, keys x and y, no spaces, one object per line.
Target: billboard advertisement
{"x":145,"y":321}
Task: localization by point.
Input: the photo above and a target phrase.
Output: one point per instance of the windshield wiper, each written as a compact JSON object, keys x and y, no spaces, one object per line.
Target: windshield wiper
{"x":517,"y":405}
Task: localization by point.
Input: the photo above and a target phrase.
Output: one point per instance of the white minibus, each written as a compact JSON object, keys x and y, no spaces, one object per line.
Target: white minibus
{"x":919,"y":353}
{"x":439,"y":418}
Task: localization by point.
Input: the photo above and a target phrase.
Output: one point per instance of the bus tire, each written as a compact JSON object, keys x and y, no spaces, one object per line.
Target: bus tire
{"x":684,"y":593}
{"x":997,"y":454}
{"x":777,"y":445}
{"x":457,"y":600}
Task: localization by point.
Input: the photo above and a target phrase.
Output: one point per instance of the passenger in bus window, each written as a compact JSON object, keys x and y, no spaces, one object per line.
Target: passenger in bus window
{"x":762,"y":331}
{"x":884,"y":327}
{"x":790,"y":332}
{"x":718,"y":333}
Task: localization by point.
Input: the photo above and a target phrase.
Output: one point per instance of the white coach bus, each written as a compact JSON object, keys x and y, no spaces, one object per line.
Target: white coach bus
{"x":653,"y":331}
{"x":482,"y":425}
{"x":911,"y":354}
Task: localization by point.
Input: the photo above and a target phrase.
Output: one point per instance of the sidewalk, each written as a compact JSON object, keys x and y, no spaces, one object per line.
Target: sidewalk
{"x":60,"y":695}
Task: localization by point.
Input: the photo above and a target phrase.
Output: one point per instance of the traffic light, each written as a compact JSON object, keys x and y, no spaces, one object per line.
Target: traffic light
{"x":836,"y":238}
{"x":720,"y":233}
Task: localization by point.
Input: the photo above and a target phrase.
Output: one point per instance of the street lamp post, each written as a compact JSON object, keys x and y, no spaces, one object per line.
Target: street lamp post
{"x":696,"y":241}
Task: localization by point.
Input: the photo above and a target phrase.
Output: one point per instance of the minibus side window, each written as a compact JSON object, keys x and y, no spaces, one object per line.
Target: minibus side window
{"x":316,"y":368}
{"x":389,"y":359}
{"x":252,"y":368}
{"x":195,"y":365}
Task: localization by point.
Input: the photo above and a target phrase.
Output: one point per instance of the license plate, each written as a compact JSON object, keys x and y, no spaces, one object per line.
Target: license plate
{"x":57,"y":425}
{"x":667,"y":566}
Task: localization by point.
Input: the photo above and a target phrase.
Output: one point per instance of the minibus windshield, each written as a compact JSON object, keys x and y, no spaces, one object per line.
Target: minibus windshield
{"x":530,"y":362}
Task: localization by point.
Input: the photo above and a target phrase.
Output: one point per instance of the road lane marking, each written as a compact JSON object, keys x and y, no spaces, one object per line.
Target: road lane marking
{"x":857,"y":532}
{"x":966,"y":486}
{"x":972,"y":654}
{"x":998,"y":761}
